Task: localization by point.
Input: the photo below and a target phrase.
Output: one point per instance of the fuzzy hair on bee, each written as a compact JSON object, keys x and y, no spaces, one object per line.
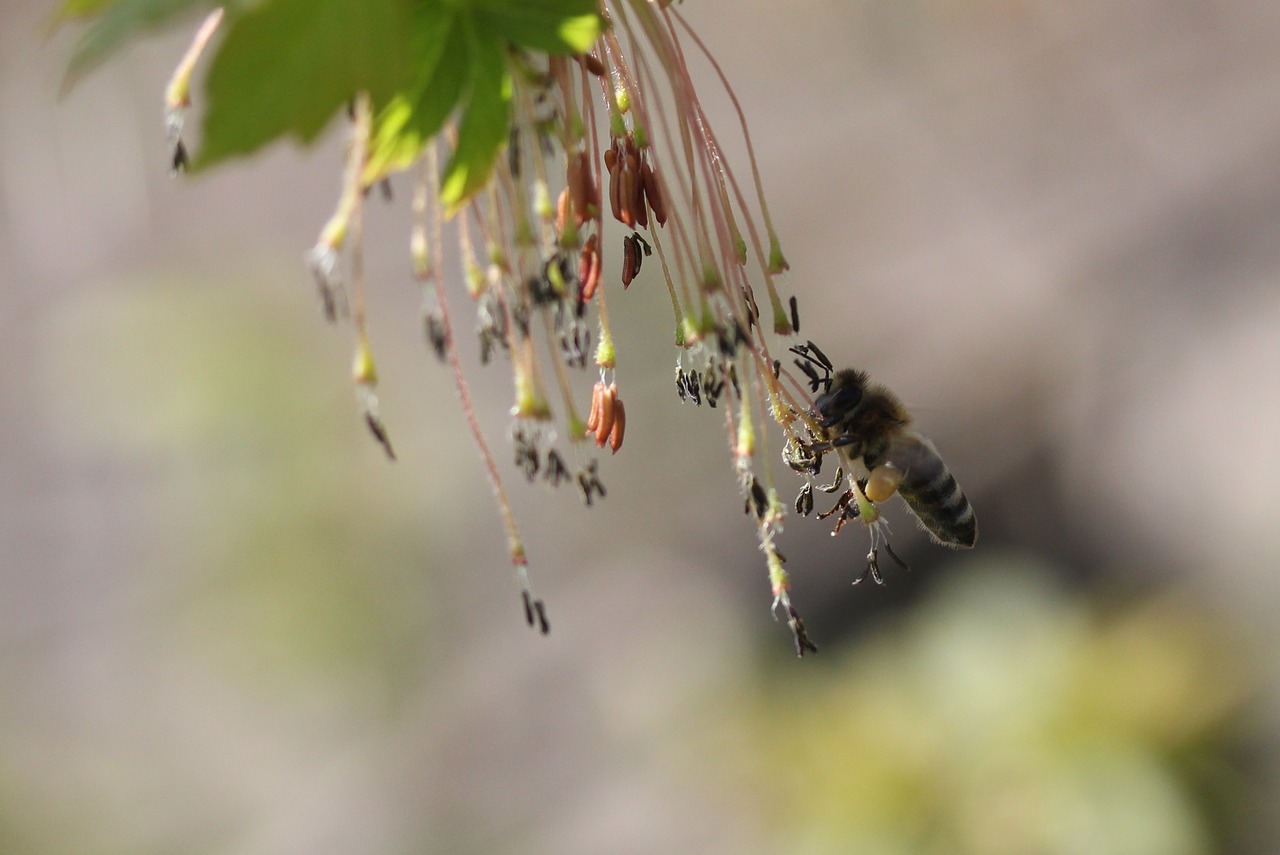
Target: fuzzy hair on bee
{"x":869,"y":424}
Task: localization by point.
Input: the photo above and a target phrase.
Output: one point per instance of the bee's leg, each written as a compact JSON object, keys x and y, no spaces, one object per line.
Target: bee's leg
{"x":873,"y":568}
{"x":895,"y":557}
{"x":839,"y":507}
{"x":883,"y":482}
{"x":832,"y":445}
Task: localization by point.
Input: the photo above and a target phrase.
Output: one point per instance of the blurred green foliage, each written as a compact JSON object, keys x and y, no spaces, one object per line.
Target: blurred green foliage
{"x":1004,"y":716}
{"x":283,"y":551}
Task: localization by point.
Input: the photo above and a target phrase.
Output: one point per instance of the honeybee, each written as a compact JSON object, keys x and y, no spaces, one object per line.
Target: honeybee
{"x":871,"y":424}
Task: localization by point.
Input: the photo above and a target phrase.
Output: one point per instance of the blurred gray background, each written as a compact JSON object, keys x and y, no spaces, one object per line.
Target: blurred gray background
{"x":228,"y":625}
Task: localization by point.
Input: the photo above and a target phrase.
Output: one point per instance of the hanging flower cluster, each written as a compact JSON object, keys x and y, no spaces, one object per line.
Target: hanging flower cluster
{"x":525,"y":127}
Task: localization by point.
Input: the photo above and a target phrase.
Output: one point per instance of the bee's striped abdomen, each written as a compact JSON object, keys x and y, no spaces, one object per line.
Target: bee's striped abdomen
{"x":931,"y":491}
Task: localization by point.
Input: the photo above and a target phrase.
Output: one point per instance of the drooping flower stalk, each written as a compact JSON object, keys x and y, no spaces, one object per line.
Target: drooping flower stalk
{"x":542,"y":149}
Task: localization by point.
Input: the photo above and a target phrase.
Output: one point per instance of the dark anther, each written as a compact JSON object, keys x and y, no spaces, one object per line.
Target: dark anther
{"x":434,"y":329}
{"x":492,"y":328}
{"x":712,"y":386}
{"x":693,"y":385}
{"x":680,"y":384}
{"x":777,"y":366}
{"x":528,"y":607}
{"x":526,"y":454}
{"x":733,"y":379}
{"x":759,"y":499}
{"x":589,"y":482}
{"x":815,"y":365}
{"x":803,"y":644}
{"x":815,"y":382}
{"x":544,"y":290}
{"x":180,"y":160}
{"x":725,"y":342}
{"x":753,"y":311}
{"x":330,"y":301}
{"x":575,"y":342}
{"x":544,"y":626}
{"x":520,"y":317}
{"x":388,"y":194}
{"x":541,"y":291}
{"x":379,"y":432}
{"x":556,"y":472}
{"x":801,"y":457}
{"x":835,"y":482}
{"x":804,"y":501}
{"x":329,"y":286}
{"x":821,"y":357}
{"x":740,"y":336}
{"x":795,"y":315}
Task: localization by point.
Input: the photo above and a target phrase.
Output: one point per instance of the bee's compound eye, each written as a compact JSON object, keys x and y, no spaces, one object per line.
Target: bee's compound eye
{"x":839,"y":401}
{"x":883,"y":482}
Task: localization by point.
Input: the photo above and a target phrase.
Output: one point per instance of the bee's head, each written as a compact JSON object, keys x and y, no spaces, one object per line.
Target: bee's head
{"x":841,"y":398}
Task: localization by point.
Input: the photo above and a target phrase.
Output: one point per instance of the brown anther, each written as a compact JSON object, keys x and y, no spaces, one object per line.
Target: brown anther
{"x":593,"y":415}
{"x":578,"y":178}
{"x":379,"y":431}
{"x":615,"y":184}
{"x":591,"y":63}
{"x":653,"y":192}
{"x":178,"y":163}
{"x":589,"y":268}
{"x":562,"y":211}
{"x":619,"y":426}
{"x":630,"y":259}
{"x":629,"y":189}
{"x":608,"y":398}
{"x":592,"y":186}
{"x":639,"y":207}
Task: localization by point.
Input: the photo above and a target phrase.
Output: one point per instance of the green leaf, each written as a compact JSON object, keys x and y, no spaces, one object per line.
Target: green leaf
{"x":71,"y":9}
{"x":402,"y":129}
{"x":483,"y":130}
{"x":288,"y":65}
{"x":554,"y":26}
{"x":118,"y":22}
{"x":459,"y":52}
